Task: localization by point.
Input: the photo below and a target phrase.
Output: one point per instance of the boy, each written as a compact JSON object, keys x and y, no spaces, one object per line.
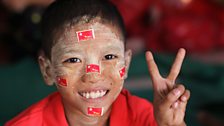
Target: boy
{"x":84,"y":56}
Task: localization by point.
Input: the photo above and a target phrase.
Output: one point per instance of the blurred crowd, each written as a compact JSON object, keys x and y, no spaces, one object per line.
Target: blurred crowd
{"x":162,"y":26}
{"x":20,"y":28}
{"x":196,"y":25}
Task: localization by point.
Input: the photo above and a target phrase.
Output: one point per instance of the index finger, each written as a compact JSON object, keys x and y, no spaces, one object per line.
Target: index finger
{"x":175,"y":69}
{"x":152,"y":67}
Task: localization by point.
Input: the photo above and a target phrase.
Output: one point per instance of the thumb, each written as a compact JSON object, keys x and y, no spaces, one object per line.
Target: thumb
{"x":174,"y":95}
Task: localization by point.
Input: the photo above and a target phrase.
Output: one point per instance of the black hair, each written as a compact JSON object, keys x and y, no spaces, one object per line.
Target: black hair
{"x":71,"y":12}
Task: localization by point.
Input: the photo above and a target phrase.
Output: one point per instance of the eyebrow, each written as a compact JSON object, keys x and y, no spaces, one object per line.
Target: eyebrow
{"x":114,"y":47}
{"x":77,"y":50}
{"x":67,"y":50}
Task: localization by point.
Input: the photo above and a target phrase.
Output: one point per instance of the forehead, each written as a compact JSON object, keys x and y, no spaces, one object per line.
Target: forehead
{"x":96,"y":24}
{"x":101,"y":35}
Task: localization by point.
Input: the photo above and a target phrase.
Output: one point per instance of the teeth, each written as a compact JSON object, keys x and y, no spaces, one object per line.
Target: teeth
{"x":94,"y":94}
{"x":87,"y":95}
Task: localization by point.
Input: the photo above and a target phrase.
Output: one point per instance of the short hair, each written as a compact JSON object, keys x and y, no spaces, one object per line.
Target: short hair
{"x":71,"y":12}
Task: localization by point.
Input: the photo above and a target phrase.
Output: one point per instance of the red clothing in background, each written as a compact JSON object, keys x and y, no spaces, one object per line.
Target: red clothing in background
{"x":167,"y":25}
{"x":127,"y":110}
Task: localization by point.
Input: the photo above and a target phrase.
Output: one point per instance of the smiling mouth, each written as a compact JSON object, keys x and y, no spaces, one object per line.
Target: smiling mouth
{"x":94,"y":94}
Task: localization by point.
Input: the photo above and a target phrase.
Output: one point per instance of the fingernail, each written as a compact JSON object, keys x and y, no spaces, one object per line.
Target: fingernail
{"x":175,"y":104}
{"x":176,"y":92}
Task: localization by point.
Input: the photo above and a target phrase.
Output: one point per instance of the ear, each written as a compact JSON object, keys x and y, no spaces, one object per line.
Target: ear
{"x":46,"y":69}
{"x":128,"y":55}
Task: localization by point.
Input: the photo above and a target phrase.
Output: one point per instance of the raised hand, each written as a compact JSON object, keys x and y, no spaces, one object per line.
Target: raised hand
{"x":170,"y":99}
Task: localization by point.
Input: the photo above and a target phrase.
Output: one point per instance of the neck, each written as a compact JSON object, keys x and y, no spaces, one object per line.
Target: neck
{"x":76,"y":118}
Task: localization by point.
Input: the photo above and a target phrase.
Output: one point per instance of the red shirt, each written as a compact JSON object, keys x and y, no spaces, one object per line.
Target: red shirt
{"x":127,"y":110}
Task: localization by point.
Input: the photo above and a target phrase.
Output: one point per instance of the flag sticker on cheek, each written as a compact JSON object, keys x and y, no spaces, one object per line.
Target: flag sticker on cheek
{"x":92,"y":68}
{"x":61,"y":81}
{"x":122,"y":72}
{"x":95,"y":111}
{"x":85,"y":35}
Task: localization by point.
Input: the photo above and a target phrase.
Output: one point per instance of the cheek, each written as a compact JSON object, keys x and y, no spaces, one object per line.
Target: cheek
{"x":64,"y":76}
{"x":114,"y":71}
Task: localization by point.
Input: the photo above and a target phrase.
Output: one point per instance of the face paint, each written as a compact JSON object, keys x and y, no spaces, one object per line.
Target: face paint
{"x":122,"y":72}
{"x":95,"y":111}
{"x":92,"y":68}
{"x":61,"y":81}
{"x":104,"y":40}
{"x":85,"y":35}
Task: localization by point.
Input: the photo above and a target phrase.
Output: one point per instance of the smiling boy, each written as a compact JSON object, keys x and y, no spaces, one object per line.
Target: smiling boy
{"x":84,"y":55}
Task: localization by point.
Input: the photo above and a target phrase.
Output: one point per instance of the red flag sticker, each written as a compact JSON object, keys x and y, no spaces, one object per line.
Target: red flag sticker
{"x":85,"y":35}
{"x":95,"y":111}
{"x":122,"y":72}
{"x":61,"y":81}
{"x":92,"y":68}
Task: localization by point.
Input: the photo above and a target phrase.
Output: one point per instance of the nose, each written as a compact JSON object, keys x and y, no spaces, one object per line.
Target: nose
{"x":91,"y":77}
{"x":92,"y":74}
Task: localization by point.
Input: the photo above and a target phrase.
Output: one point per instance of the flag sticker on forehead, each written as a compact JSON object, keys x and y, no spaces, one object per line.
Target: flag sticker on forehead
{"x":85,"y":35}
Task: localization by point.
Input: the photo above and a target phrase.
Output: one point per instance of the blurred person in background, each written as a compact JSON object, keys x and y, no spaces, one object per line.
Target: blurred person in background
{"x":20,"y":21}
{"x":19,"y":6}
{"x":166,"y":26}
{"x":20,"y":40}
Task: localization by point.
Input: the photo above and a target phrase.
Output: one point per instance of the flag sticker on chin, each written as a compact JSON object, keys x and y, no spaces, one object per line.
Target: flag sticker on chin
{"x":92,"y":68}
{"x":85,"y":35}
{"x":95,"y":111}
{"x":61,"y":81}
{"x":122,"y":72}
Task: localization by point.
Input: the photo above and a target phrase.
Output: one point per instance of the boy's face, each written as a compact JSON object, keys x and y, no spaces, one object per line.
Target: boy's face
{"x":88,"y":72}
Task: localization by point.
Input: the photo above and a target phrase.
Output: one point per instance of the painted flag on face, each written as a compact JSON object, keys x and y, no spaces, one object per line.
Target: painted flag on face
{"x":122,"y":72}
{"x":85,"y":35}
{"x":92,"y":68}
{"x":61,"y":81}
{"x":95,"y":111}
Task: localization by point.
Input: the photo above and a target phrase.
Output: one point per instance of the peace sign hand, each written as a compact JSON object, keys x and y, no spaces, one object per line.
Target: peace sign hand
{"x":170,"y":100}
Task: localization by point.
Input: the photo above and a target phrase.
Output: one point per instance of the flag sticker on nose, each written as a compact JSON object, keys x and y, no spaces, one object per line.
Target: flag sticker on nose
{"x":92,"y":68}
{"x":122,"y":72}
{"x":61,"y":81}
{"x":85,"y":35}
{"x":95,"y":111}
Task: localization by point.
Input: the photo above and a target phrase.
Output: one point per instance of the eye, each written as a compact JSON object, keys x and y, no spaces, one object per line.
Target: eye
{"x":72,"y":60}
{"x":110,"y":57}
